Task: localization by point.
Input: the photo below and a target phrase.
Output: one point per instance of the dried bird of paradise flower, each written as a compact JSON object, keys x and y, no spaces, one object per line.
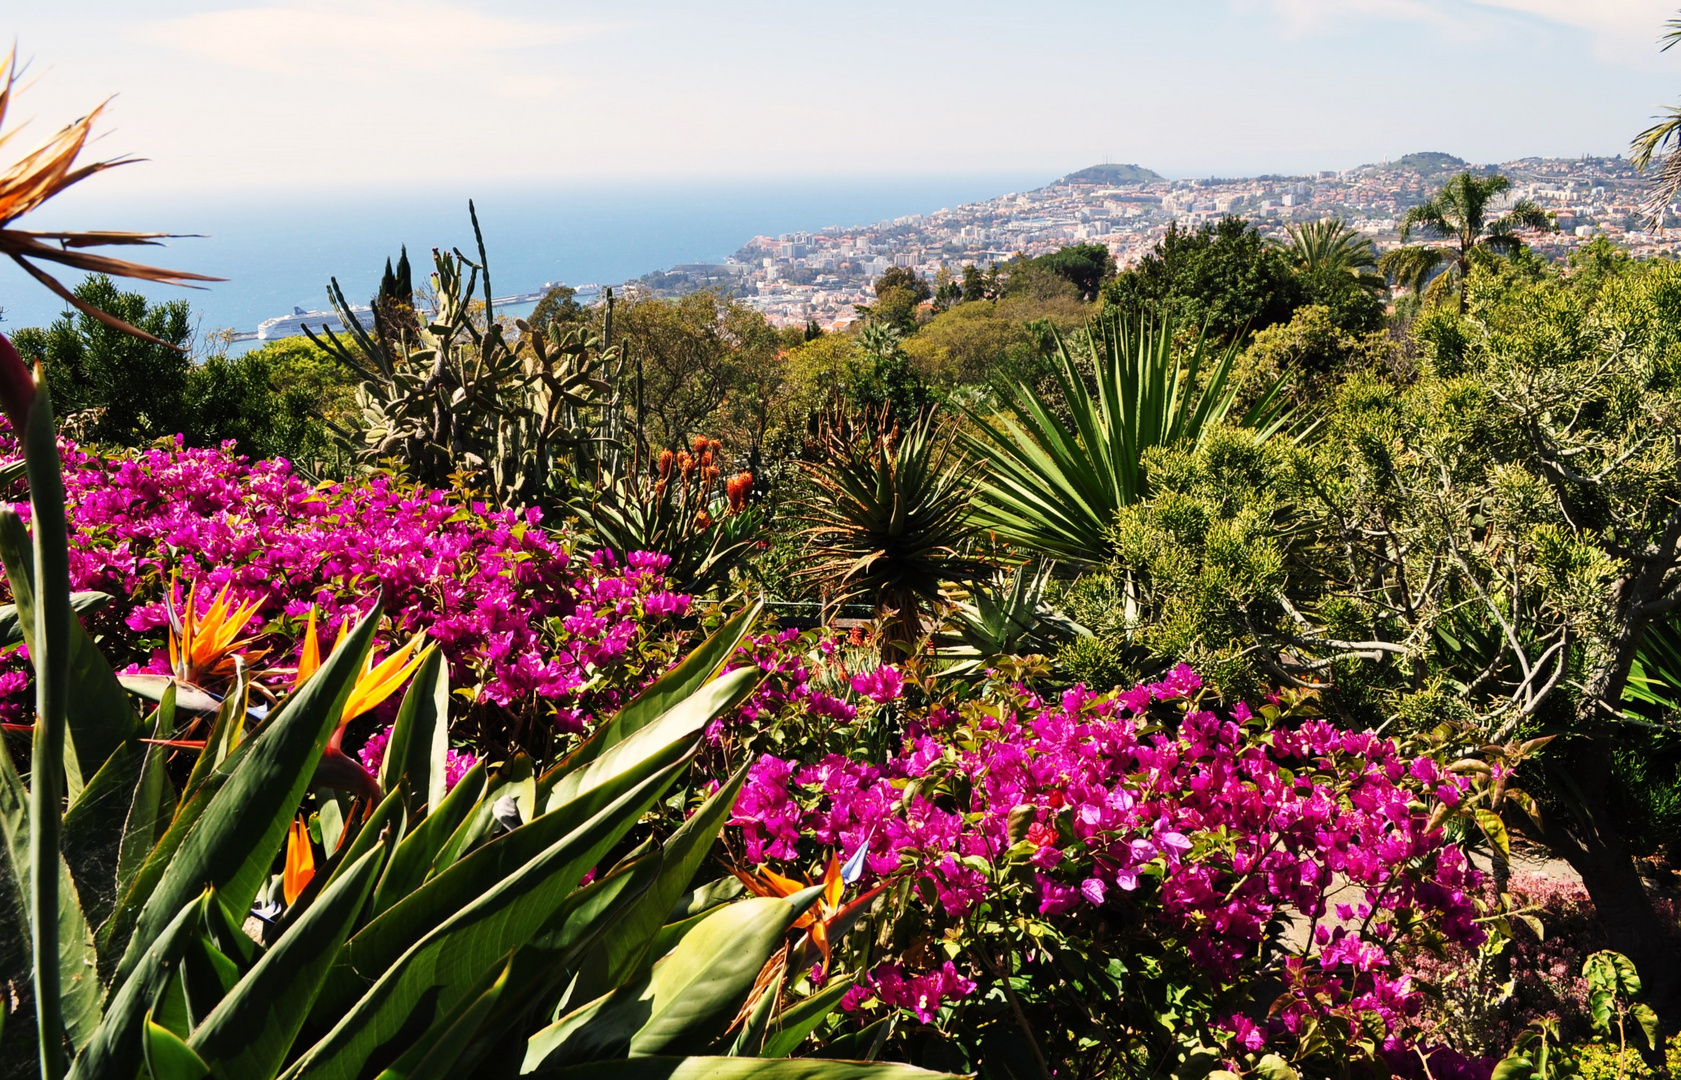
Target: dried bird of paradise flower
{"x":47,"y":171}
{"x":826,"y":921}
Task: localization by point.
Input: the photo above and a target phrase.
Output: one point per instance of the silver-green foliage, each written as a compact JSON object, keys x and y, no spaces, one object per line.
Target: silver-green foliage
{"x":448,"y":394}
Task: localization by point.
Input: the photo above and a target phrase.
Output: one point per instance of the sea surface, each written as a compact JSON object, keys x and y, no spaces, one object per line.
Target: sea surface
{"x":279,"y":251}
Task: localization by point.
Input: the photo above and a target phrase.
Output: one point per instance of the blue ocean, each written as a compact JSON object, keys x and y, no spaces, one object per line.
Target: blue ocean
{"x":279,"y":251}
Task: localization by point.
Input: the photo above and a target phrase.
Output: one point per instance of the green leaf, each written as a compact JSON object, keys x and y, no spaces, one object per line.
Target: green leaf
{"x":416,"y":754}
{"x":234,"y":840}
{"x":657,"y":743}
{"x":431,"y":977}
{"x":378,"y":945}
{"x":862,"y":1045}
{"x":1516,"y":1067}
{"x":514,"y":778}
{"x":114,"y":1051}
{"x":727,"y":1068}
{"x":750,"y":1039}
{"x":168,"y":1058}
{"x":1273,"y":1067}
{"x":412,"y":860}
{"x":434,"y":1055}
{"x":617,"y":957}
{"x":665,"y":693}
{"x":250,"y":1032}
{"x":798,"y":1021}
{"x":1495,"y":830}
{"x":685,"y":1001}
{"x":705,"y":898}
{"x":1649,"y":1023}
{"x":153,"y":801}
{"x":11,"y":625}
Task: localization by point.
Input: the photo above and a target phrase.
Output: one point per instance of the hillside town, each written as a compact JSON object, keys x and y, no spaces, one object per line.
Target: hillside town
{"x":820,"y":277}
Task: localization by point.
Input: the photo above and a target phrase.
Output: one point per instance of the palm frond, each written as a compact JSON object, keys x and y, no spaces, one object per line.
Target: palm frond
{"x":1659,"y":143}
{"x":49,"y":170}
{"x":1412,"y":267}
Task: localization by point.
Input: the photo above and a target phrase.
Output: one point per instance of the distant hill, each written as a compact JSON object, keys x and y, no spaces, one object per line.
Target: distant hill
{"x":1428,"y":162}
{"x":1112,"y":174}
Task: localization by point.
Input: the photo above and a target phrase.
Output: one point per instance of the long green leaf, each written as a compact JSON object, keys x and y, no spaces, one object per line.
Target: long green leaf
{"x":684,"y":1002}
{"x":416,"y":754}
{"x":413,"y":858}
{"x":250,"y":1032}
{"x":434,"y":1056}
{"x":114,"y":1052}
{"x":667,"y":692}
{"x":661,"y":739}
{"x":798,"y":1021}
{"x":735,"y":1068}
{"x":234,"y":841}
{"x":628,"y":949}
{"x":11,"y":622}
{"x":431,"y":977}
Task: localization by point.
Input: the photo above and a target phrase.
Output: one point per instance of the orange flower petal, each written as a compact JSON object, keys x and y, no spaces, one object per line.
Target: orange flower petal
{"x":300,"y":862}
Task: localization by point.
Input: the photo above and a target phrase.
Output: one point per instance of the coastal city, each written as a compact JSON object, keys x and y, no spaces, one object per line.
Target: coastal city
{"x":820,"y":277}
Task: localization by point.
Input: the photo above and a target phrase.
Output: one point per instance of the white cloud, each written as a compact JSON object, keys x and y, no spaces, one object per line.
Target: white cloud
{"x":1314,"y":16}
{"x":360,"y":38}
{"x":1621,"y":29}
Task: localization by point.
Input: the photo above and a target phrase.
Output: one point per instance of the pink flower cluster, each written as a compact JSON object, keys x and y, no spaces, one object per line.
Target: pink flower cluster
{"x":922,"y":994}
{"x":525,"y":625}
{"x":456,"y":762}
{"x":1215,"y":825}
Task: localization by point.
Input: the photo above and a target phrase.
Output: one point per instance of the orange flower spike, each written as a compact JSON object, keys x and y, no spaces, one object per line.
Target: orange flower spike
{"x":210,"y":639}
{"x":378,"y":682}
{"x":833,"y":886}
{"x":309,"y":659}
{"x":300,"y":862}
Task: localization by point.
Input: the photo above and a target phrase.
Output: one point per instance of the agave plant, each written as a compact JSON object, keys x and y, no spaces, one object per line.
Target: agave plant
{"x":1053,"y":486}
{"x":683,"y":508}
{"x":887,"y":518}
{"x":452,"y":396}
{"x":1006,"y":617}
{"x":407,"y":933}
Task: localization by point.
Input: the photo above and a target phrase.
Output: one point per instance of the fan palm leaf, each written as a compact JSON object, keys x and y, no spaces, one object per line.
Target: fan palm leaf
{"x":1053,"y":486}
{"x":1334,"y":246}
{"x":1466,"y":214}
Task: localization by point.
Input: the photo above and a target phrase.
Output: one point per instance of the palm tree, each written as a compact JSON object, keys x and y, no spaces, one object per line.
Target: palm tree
{"x":1459,"y":214}
{"x":1334,"y":246}
{"x":1660,"y":141}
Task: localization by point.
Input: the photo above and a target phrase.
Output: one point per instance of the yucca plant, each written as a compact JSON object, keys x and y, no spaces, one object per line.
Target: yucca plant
{"x":1053,"y":486}
{"x":421,"y":934}
{"x":887,"y":518}
{"x":682,"y":507}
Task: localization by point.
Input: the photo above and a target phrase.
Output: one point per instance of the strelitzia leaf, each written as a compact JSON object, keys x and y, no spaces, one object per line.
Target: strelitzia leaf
{"x":253,"y":1028}
{"x":728,"y":1068}
{"x":666,"y":692}
{"x":798,"y":1021}
{"x":431,"y":977}
{"x":168,"y":1058}
{"x":685,"y":1001}
{"x":114,"y":1051}
{"x":412,"y":860}
{"x":416,"y":754}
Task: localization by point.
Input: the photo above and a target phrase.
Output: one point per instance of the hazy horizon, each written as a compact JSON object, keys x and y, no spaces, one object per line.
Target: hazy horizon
{"x":306,"y":95}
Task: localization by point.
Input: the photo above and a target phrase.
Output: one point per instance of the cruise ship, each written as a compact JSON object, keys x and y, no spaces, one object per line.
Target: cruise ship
{"x":284,"y":326}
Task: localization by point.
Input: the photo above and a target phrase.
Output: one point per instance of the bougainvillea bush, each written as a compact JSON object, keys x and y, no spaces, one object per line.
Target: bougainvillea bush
{"x":538,"y":637}
{"x":1130,"y":884}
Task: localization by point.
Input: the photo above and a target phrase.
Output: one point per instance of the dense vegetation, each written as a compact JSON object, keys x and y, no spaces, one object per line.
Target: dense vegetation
{"x":1066,"y":671}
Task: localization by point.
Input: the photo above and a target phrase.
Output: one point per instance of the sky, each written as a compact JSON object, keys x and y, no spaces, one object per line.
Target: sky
{"x":378,"y":95}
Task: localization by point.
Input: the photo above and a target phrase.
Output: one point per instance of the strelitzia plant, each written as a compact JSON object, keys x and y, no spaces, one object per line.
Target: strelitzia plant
{"x":434,"y":933}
